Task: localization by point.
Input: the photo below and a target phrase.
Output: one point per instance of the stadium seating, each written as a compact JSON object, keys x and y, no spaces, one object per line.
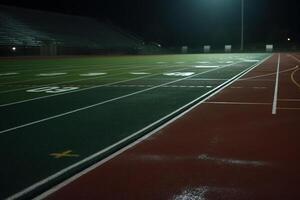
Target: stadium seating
{"x":32,"y":28}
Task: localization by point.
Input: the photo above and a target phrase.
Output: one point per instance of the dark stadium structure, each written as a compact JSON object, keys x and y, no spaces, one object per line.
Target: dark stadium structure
{"x":32,"y":32}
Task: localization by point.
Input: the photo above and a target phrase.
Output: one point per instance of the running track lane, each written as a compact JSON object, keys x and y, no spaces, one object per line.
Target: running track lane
{"x":230,"y":147}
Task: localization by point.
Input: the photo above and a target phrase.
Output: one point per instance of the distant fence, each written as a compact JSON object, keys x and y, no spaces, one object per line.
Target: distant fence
{"x":53,"y":50}
{"x":59,"y":50}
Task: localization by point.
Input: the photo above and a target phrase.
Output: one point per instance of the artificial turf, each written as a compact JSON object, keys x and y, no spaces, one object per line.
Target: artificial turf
{"x":100,"y":112}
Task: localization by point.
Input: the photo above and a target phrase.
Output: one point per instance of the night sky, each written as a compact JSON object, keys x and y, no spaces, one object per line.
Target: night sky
{"x":189,"y":22}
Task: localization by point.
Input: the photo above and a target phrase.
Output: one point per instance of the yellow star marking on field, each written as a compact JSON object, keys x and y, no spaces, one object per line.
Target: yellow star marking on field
{"x":64,"y":154}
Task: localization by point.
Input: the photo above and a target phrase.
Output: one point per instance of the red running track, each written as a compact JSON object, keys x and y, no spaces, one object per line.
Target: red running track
{"x":230,"y":147}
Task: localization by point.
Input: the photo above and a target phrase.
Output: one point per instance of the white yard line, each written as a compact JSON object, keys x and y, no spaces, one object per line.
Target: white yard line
{"x":103,"y":102}
{"x":47,"y":67}
{"x":83,"y":79}
{"x":49,"y":78}
{"x":274,"y":107}
{"x":183,"y":111}
{"x":84,"y":89}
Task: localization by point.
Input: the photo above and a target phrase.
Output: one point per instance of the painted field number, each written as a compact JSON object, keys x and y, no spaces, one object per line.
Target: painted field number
{"x":52,"y":90}
{"x":64,"y":154}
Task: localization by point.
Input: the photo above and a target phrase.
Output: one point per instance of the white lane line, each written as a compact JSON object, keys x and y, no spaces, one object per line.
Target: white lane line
{"x":290,"y":100}
{"x":294,"y":57}
{"x":282,"y":108}
{"x":235,"y":103}
{"x":274,"y":108}
{"x":104,"y":102}
{"x":270,"y":74}
{"x":84,"y":89}
{"x":184,"y":110}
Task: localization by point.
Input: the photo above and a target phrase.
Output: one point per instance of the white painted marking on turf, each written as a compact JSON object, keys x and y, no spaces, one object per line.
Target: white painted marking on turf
{"x":166,"y":86}
{"x":52,"y":89}
{"x":139,"y":73}
{"x":84,"y":89}
{"x":226,"y":62}
{"x":78,"y":80}
{"x":93,"y":74}
{"x":179,"y":74}
{"x":52,"y":74}
{"x":104,"y":102}
{"x":203,"y":62}
{"x":186,"y":109}
{"x":249,"y":60}
{"x":161,"y":62}
{"x":206,"y":66}
{"x":9,"y":74}
{"x":274,"y":108}
{"x":232,"y":161}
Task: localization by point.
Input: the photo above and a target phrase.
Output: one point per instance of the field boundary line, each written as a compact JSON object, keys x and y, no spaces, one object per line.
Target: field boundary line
{"x":168,"y":119}
{"x":274,"y":107}
{"x":104,"y":102}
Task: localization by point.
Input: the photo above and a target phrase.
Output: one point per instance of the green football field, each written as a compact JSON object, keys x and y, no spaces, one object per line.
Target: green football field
{"x":59,"y":116}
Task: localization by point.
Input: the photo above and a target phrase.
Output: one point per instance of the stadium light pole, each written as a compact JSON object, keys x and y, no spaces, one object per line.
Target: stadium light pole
{"x":242,"y":25}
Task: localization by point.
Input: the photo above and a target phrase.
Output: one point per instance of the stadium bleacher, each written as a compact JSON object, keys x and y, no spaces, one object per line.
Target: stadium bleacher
{"x":32,"y":29}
